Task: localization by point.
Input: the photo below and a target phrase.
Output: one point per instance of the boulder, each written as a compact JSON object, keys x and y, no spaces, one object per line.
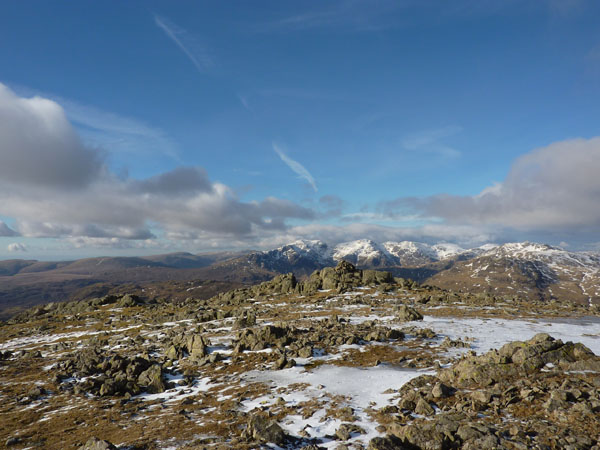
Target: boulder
{"x":387,"y":443}
{"x":260,"y":428}
{"x":94,"y":443}
{"x":345,"y":431}
{"x":152,"y":379}
{"x":127,"y":301}
{"x":407,"y":314}
{"x":246,"y":320}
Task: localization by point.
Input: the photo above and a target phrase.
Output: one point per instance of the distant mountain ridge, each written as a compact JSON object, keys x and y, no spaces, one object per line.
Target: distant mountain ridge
{"x":507,"y":270}
{"x":527,"y":269}
{"x":513,"y":269}
{"x":363,"y":253}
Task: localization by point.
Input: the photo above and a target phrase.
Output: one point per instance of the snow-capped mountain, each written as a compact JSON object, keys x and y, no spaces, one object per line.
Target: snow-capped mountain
{"x":526,"y":269}
{"x":317,"y":251}
{"x":408,"y":253}
{"x":363,"y":253}
{"x":509,"y":270}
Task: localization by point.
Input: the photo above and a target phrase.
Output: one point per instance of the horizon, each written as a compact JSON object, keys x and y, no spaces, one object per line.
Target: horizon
{"x":146,"y":128}
{"x":332,"y":247}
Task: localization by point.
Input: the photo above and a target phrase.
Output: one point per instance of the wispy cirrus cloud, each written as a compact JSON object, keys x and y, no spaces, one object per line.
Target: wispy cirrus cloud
{"x":108,"y":130}
{"x":55,"y":186}
{"x":196,"y":53}
{"x":432,"y":141}
{"x":298,"y":168}
{"x":353,"y":15}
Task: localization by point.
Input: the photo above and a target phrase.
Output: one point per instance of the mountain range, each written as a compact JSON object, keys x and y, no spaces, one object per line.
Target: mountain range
{"x":521,"y":269}
{"x":514,"y":269}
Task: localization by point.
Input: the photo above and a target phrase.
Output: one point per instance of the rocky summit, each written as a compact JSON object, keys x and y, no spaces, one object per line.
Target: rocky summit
{"x":342,"y":359}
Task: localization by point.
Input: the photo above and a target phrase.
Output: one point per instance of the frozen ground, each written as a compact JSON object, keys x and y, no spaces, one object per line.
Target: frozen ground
{"x":375,"y":387}
{"x":494,"y":333}
{"x":309,"y":401}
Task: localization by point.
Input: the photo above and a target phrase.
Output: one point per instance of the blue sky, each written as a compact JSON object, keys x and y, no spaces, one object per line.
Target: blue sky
{"x":147,"y":127}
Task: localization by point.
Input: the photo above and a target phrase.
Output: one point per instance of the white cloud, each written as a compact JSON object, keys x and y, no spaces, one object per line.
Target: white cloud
{"x":298,"y":168}
{"x":196,"y":53}
{"x":114,"y":132}
{"x":244,"y":101}
{"x":38,"y":146}
{"x":54,"y":186}
{"x":113,"y":243}
{"x":16,"y":247}
{"x":431,"y":141}
{"x":554,"y":188}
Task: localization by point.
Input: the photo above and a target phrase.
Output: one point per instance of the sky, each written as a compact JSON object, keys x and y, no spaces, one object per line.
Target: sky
{"x":145,"y":127}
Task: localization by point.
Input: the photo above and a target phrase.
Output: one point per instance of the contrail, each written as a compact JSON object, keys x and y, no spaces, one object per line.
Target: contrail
{"x":173,"y":32}
{"x":296,"y":167}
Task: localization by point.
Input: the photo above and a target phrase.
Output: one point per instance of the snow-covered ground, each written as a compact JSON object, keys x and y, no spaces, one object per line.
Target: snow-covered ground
{"x":363,"y":388}
{"x":494,"y":333}
{"x":376,"y":386}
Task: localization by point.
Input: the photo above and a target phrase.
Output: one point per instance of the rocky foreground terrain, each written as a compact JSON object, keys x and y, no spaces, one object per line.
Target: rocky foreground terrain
{"x":345,"y":359}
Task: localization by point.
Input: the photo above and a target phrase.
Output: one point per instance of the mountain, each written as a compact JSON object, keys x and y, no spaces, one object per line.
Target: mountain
{"x":304,"y":256}
{"x":364,"y":253}
{"x":526,"y":270}
{"x":509,"y":270}
{"x":514,"y":269}
{"x":24,"y":283}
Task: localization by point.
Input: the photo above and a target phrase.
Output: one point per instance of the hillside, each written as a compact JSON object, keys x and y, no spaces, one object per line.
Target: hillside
{"x":528,"y":271}
{"x":346,"y":358}
{"x":521,"y":270}
{"x":27,"y":283}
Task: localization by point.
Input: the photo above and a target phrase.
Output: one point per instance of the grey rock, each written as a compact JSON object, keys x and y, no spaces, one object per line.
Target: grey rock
{"x":260,"y":428}
{"x":386,"y":443}
{"x":440,"y":390}
{"x":152,"y":379}
{"x":12,"y":441}
{"x":424,"y":408}
{"x":94,"y":443}
{"x":345,"y":431}
{"x":407,"y":314}
{"x":127,"y":301}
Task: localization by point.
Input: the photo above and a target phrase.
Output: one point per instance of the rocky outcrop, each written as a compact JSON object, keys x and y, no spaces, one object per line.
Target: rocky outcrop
{"x":298,"y":342}
{"x":94,"y":371}
{"x":77,"y":307}
{"x":341,"y":278}
{"x":525,"y":395}
{"x":520,"y":359}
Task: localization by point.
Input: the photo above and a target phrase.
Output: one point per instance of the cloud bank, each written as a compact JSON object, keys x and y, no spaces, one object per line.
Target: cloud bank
{"x":39,"y":146}
{"x":6,"y":231}
{"x":554,"y":189}
{"x":55,"y":186}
